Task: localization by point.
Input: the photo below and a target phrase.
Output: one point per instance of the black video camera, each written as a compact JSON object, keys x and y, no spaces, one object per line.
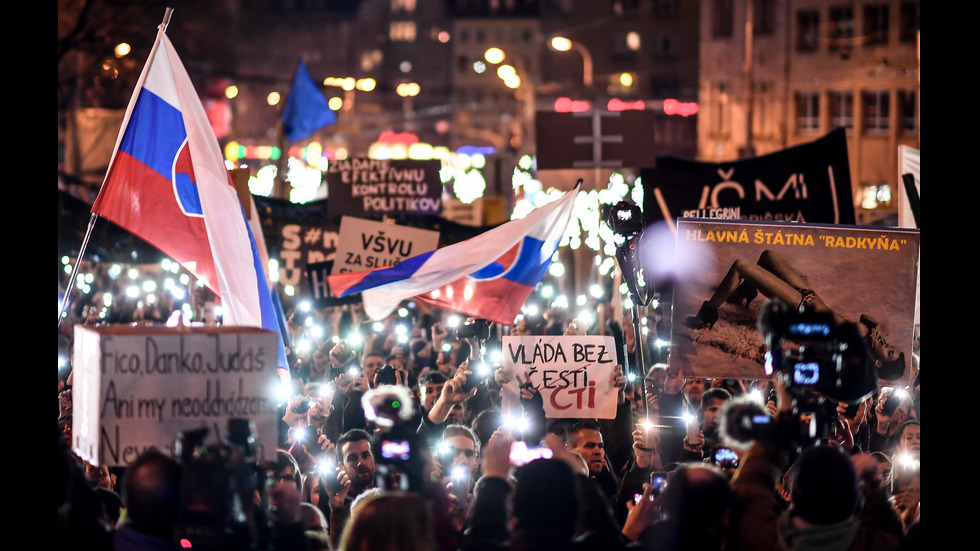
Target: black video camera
{"x":400,"y":459}
{"x":820,"y":357}
{"x":387,"y":375}
{"x":474,"y":329}
{"x":625,"y":219}
{"x":217,"y":509}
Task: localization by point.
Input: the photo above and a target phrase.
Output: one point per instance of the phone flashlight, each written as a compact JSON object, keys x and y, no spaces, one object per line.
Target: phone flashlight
{"x":325,"y":468}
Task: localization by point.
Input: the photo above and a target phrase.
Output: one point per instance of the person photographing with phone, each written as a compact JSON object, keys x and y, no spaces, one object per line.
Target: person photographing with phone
{"x":891,"y":410}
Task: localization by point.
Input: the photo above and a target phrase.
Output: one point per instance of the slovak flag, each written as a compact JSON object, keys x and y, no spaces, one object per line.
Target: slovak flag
{"x":167,"y":184}
{"x":489,"y":276}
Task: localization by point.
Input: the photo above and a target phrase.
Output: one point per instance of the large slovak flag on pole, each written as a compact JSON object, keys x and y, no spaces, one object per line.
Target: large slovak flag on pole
{"x":489,"y":276}
{"x":167,"y":184}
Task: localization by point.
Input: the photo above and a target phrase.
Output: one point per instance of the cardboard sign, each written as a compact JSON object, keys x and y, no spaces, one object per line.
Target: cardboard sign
{"x":867,"y":275}
{"x":470,"y":214}
{"x":137,"y":388}
{"x":366,"y":244}
{"x":373,"y":187}
{"x":573,"y":374}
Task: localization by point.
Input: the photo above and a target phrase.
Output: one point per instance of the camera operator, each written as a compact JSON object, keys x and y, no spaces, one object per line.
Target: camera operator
{"x":837,"y":501}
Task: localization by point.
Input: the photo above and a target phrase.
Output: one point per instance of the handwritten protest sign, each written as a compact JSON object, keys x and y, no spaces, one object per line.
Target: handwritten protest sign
{"x":138,"y":387}
{"x":366,"y":187}
{"x":366,"y":244}
{"x":573,"y":374}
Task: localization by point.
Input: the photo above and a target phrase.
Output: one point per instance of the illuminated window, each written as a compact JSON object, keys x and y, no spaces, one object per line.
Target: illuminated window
{"x":404,"y":6}
{"x":876,"y":109}
{"x":807,"y":112}
{"x":875,"y":195}
{"x":842,"y":110}
{"x":402,"y":31}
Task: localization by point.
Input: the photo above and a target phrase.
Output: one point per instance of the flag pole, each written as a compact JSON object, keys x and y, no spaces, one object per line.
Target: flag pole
{"x":282,"y":165}
{"x":91,"y":222}
{"x":279,"y":190}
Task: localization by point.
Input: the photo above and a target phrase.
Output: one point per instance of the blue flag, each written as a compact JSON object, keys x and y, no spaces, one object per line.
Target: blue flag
{"x":306,"y":109}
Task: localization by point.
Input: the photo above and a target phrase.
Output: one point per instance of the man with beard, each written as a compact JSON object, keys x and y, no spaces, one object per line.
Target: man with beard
{"x":355,"y":475}
{"x":704,"y":437}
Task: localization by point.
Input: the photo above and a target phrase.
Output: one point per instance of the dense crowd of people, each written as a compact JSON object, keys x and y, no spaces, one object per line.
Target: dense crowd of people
{"x":392,"y":440}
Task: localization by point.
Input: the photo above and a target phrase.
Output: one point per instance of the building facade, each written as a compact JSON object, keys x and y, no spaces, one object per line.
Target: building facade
{"x":799,"y":68}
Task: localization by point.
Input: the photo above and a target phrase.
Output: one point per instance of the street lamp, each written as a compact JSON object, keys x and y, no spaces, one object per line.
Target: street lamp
{"x":562,"y":44}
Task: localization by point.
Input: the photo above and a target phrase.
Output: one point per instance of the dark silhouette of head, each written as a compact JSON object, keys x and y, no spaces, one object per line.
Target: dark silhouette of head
{"x":825,"y":487}
{"x":391,"y":521}
{"x":697,"y":497}
{"x":151,"y":493}
{"x":546,"y":496}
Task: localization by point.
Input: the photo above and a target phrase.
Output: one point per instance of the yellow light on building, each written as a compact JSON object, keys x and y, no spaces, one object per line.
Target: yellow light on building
{"x":494,"y":55}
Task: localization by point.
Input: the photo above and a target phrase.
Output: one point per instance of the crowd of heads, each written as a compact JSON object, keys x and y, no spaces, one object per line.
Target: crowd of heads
{"x":333,"y":482}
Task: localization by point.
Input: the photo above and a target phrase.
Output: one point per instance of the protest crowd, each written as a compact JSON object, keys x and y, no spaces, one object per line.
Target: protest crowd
{"x":670,"y":471}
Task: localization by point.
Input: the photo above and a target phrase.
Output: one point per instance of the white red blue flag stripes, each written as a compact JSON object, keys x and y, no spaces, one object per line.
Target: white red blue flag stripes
{"x":167,"y":184}
{"x":489,"y":276}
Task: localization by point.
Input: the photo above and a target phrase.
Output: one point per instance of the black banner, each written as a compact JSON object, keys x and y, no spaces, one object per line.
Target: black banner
{"x":805,"y":183}
{"x":373,"y":188}
{"x":316,"y":275}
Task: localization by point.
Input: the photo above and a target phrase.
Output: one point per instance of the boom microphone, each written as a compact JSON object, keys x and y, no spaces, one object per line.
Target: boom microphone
{"x":740,"y":420}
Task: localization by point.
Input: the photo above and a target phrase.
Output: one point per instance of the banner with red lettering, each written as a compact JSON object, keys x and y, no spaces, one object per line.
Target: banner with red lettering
{"x":573,"y":373}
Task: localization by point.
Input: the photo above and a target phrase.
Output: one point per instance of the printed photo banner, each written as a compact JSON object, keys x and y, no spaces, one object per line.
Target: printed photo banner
{"x":806,"y":183}
{"x":867,"y":275}
{"x":375,"y":188}
{"x":573,"y":374}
